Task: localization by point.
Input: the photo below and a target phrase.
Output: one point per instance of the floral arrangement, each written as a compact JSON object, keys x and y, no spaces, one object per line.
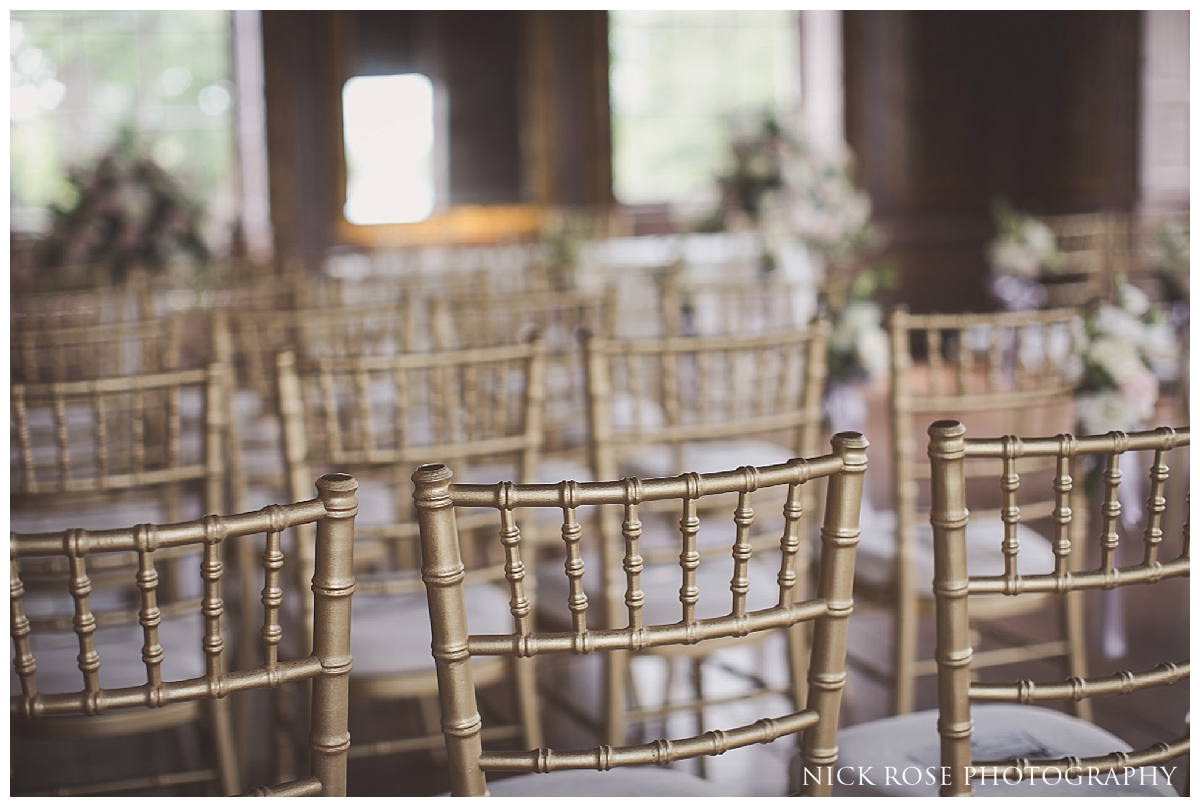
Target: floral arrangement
{"x":128,"y":212}
{"x":793,"y":191}
{"x":1024,"y":247}
{"x":782,"y":183}
{"x":1129,"y":348}
{"x":858,"y":343}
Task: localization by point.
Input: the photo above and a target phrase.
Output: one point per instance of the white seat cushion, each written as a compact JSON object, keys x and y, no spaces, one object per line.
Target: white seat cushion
{"x":617,"y":782}
{"x":876,"y":557}
{"x":120,"y":649}
{"x":910,"y":744}
{"x":390,"y":634}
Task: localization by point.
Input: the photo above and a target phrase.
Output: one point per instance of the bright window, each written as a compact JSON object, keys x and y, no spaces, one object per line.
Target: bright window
{"x":388,"y":136}
{"x":679,"y":81}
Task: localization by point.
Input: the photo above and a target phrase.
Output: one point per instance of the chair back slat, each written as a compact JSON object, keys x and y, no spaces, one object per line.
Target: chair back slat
{"x":439,"y":501}
{"x":327,"y":665}
{"x":949,"y":452}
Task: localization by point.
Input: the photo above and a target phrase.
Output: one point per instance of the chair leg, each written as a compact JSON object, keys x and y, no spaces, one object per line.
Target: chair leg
{"x":285,"y":749}
{"x":1073,"y":630}
{"x":223,"y":741}
{"x":431,"y":724}
{"x":616,"y":676}
{"x":525,"y":674}
{"x":697,"y":664}
{"x":904,"y":653}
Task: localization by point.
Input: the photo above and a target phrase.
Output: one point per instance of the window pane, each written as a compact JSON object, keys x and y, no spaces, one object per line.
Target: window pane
{"x":679,"y":79}
{"x":388,"y":131}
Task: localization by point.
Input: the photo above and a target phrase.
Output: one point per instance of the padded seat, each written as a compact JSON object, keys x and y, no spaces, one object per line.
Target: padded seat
{"x":391,"y":633}
{"x":877,"y":550}
{"x":120,"y":649}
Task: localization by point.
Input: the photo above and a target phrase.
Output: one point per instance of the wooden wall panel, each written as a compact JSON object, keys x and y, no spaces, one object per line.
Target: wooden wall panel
{"x":528,"y":111}
{"x":947,"y":111}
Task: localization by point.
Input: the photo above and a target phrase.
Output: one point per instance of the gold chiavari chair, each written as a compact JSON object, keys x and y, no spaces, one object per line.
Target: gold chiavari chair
{"x":1000,"y":372}
{"x":995,"y":736}
{"x":730,"y":307}
{"x":144,"y":662}
{"x":460,"y":643}
{"x":1090,"y":246}
{"x":107,"y":452}
{"x":461,"y":321}
{"x":72,"y":353}
{"x":378,"y":417}
{"x":96,"y":305}
{"x":660,"y":407}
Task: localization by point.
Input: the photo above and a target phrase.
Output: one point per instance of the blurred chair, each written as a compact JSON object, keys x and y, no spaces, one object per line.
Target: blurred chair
{"x":1092,"y":247}
{"x":254,"y":339}
{"x":473,"y":320}
{"x":999,"y":731}
{"x":108,"y":452}
{"x":1001,"y":373}
{"x":159,"y":657}
{"x":378,"y":417}
{"x":663,"y":407}
{"x":74,"y":353}
{"x":730,"y":306}
{"x":155,"y":436}
{"x":460,"y":642}
{"x":98,"y":303}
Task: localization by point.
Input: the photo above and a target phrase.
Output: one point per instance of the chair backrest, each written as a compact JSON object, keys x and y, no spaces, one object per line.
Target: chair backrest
{"x":663,"y":407}
{"x":950,"y":453}
{"x":1004,"y":372}
{"x":73,"y":353}
{"x":472,"y":320}
{"x":377,"y":417}
{"x":135,"y":433}
{"x":1091,"y":247}
{"x":728,"y":306}
{"x":453,"y":647}
{"x":327,"y":665}
{"x":669,"y":392}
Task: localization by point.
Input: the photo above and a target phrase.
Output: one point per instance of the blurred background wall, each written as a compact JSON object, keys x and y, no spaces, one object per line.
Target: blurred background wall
{"x":626,"y":112}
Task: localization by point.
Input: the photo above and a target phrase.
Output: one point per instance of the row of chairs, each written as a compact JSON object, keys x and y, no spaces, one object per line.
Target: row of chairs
{"x":655,"y":408}
{"x":1070,"y":749}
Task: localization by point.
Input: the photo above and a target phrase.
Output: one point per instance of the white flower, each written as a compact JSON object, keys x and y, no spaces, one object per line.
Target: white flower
{"x":1119,"y":324}
{"x":1140,"y":390}
{"x":1133,"y":300}
{"x":1011,"y":258}
{"x":1161,"y":349}
{"x":874,"y":352}
{"x":1118,"y":358}
{"x":1103,"y":411}
{"x":1039,"y":238}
